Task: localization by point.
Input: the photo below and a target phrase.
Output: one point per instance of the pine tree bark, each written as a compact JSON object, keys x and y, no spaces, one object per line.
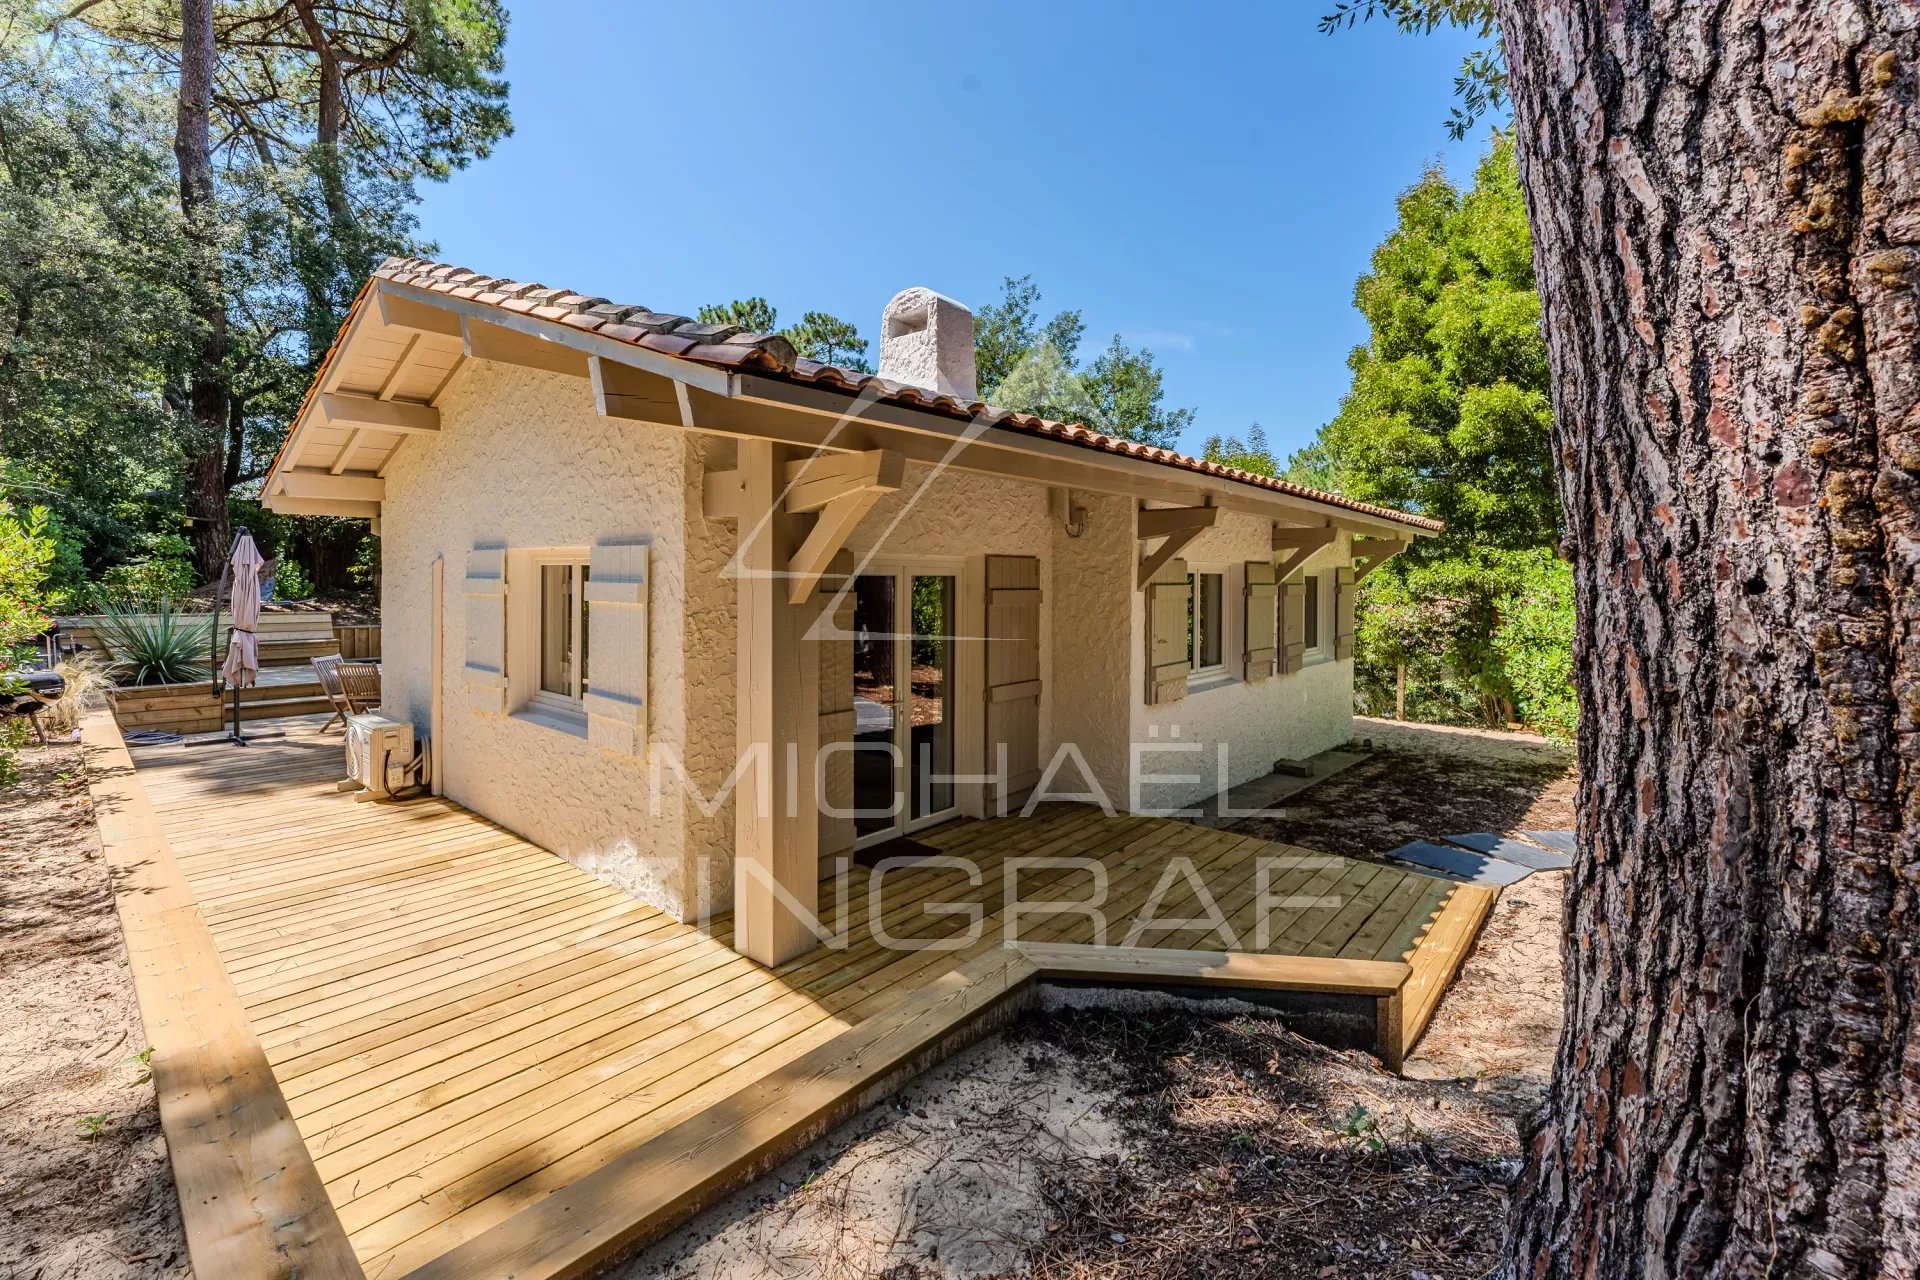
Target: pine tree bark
{"x":205,"y":435}
{"x":1725,"y":200}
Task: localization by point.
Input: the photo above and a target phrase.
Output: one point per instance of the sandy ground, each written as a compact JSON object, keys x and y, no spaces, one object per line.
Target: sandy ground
{"x":1184,"y":1143}
{"x":85,"y":1188}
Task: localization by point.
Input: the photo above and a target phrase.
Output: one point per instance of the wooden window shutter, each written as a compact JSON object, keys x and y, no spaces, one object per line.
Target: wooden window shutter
{"x":836,"y":710}
{"x":485,"y":669}
{"x":1259,"y":620}
{"x":1168,"y":600}
{"x":1344,"y":589}
{"x":1013,"y":679}
{"x":616,"y":598}
{"x":1293,"y":627}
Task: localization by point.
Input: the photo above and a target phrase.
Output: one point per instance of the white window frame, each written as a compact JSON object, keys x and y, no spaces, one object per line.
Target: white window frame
{"x":1212,"y":672}
{"x":1316,"y":585}
{"x":528,"y":607}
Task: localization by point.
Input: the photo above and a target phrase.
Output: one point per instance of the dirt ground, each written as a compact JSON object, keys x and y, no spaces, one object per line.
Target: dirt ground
{"x":1181,"y":1142}
{"x":86,"y":1192}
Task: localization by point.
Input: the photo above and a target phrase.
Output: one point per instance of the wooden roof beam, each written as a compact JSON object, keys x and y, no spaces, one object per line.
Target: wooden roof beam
{"x":480,"y":340}
{"x":813,"y":483}
{"x":1370,"y":553}
{"x":1178,"y":525}
{"x":400,"y":416}
{"x":324,"y":485}
{"x":1295,"y":545}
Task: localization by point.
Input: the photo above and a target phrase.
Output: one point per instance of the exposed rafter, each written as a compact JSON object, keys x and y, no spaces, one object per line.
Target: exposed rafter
{"x":324,"y":485}
{"x":483,"y":341}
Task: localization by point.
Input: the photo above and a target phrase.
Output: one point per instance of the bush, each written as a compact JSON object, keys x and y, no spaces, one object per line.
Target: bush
{"x":1535,"y":642}
{"x":1487,"y":639}
{"x":290,"y":582}
{"x":27,"y":550}
{"x":157,"y":645}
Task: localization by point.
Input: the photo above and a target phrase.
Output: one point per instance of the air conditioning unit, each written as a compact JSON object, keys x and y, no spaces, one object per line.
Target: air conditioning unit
{"x":380,"y":754}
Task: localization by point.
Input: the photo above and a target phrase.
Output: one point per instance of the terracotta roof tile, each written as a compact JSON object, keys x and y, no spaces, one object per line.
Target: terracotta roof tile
{"x":729,"y":347}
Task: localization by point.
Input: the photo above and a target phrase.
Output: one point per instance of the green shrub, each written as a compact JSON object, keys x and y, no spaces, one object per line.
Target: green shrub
{"x":157,"y":645}
{"x":290,"y":582}
{"x":27,"y":550}
{"x":1486,"y":639}
{"x":1535,"y":643}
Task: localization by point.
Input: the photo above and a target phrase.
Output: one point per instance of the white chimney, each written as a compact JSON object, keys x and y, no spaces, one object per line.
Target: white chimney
{"x":926,"y":341}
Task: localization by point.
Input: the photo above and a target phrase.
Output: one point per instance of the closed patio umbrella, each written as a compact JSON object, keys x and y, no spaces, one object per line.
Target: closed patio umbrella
{"x":241,"y":670}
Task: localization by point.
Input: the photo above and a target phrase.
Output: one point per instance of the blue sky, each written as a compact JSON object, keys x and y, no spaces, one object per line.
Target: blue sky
{"x":1207,"y":182}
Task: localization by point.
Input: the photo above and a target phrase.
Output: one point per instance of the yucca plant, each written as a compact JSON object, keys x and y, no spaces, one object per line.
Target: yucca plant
{"x":157,"y":644}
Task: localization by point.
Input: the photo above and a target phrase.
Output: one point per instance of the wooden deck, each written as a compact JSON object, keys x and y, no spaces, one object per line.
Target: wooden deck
{"x":499,"y":1064}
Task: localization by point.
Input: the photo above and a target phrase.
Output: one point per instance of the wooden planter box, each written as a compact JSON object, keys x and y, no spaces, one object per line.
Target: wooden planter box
{"x":194,"y":708}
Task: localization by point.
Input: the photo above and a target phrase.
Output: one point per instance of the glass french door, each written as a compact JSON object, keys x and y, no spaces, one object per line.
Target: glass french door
{"x":902,"y":701}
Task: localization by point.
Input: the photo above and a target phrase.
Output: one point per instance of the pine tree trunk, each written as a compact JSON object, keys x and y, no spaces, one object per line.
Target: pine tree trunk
{"x":1726,"y":208}
{"x":205,"y":435}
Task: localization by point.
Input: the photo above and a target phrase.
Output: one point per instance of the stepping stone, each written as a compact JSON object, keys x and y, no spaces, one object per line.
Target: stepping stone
{"x":1561,"y":840}
{"x":1518,"y":852}
{"x":1461,"y":864}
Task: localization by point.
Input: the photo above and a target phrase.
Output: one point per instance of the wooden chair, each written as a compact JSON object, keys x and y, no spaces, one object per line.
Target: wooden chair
{"x":359,"y":685}
{"x":328,"y":671}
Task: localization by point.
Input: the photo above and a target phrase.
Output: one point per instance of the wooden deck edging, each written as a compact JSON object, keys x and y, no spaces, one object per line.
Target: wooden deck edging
{"x":250,"y":1200}
{"x":652,"y":1189}
{"x":1383,"y":980}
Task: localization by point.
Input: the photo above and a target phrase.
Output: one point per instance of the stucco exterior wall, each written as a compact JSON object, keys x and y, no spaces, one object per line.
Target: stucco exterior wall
{"x":522,"y":460}
{"x":1228,"y":730}
{"x":1094,"y":690}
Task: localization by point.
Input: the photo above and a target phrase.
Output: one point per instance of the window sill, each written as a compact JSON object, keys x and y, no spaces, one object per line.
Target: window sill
{"x":573,"y":723}
{"x":1202,"y":682}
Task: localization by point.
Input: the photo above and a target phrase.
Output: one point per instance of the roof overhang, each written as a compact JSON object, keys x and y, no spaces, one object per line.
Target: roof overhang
{"x":402,"y":346}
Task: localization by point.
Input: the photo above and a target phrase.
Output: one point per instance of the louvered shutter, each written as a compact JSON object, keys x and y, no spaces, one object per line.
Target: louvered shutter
{"x":616,"y":656}
{"x":1168,"y":600}
{"x":836,"y":711}
{"x":1293,"y":626}
{"x":1013,"y":678}
{"x":1259,"y":620}
{"x":485,"y":669}
{"x":1344,"y":590}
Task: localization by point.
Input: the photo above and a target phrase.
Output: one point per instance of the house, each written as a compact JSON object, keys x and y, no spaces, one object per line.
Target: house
{"x":705,"y":618}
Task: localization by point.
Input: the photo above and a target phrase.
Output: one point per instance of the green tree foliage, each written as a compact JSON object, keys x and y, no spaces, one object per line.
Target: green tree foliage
{"x":26,"y":553}
{"x":1481,"y":85}
{"x":1009,"y":332}
{"x":93,"y":315}
{"x":830,"y":340}
{"x":323,"y":117}
{"x":1250,"y":454}
{"x":1029,"y":365}
{"x":818,"y":336}
{"x":756,"y":315}
{"x":1448,"y":414}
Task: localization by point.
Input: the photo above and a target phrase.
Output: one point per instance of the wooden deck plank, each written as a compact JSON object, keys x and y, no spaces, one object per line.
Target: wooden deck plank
{"x":468,"y":1030}
{"x":251,"y":1202}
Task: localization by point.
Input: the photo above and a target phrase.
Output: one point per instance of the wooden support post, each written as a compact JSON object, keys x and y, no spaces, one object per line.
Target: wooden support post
{"x":1400,"y":691}
{"x":777,"y":717}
